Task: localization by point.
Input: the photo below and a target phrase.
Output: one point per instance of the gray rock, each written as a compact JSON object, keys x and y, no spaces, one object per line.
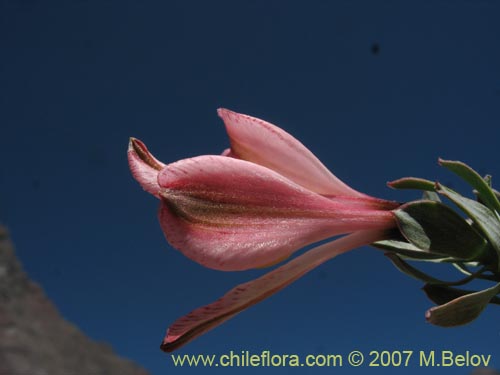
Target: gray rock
{"x":485,"y":371}
{"x":36,"y":340}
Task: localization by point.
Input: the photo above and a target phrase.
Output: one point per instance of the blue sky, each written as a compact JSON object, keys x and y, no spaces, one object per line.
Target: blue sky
{"x":78,"y":78}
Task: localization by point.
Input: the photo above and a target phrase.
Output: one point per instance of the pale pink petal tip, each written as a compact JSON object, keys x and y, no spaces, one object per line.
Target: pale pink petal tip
{"x":144,"y":166}
{"x":227,"y":152}
{"x":248,"y":294}
{"x":263,"y":143}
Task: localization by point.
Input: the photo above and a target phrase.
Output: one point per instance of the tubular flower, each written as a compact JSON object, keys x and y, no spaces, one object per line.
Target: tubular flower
{"x":252,"y":209}
{"x":257,"y":203}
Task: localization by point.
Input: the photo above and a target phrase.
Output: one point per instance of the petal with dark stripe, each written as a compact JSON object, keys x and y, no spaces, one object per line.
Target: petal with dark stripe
{"x":230,"y":214}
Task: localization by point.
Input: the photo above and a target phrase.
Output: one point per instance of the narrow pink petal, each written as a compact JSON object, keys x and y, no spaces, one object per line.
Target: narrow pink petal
{"x":227,"y":152}
{"x":263,"y":143}
{"x":245,"y":295}
{"x":144,"y":166}
{"x":367,"y":202}
{"x":230,"y":214}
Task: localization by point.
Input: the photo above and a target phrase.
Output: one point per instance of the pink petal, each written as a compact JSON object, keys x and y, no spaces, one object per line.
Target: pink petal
{"x":245,"y":295}
{"x":227,"y":152}
{"x":230,"y":214}
{"x":263,"y":143}
{"x":144,"y":166}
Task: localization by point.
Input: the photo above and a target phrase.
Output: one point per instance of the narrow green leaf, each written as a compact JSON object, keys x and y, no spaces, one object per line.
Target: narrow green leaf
{"x":461,"y":310}
{"x":441,"y":294}
{"x":487,"y":179}
{"x":408,"y":250}
{"x":414,"y":183}
{"x":431,"y":196}
{"x":473,"y":178}
{"x":462,"y":268}
{"x":497,"y":193}
{"x":486,"y":221}
{"x":411,"y":271}
{"x":437,"y":228}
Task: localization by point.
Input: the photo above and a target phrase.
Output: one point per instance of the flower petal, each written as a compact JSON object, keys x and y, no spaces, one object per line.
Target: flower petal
{"x":230,"y":214}
{"x":263,"y":143}
{"x":227,"y":152}
{"x":245,"y":295}
{"x":144,"y":166}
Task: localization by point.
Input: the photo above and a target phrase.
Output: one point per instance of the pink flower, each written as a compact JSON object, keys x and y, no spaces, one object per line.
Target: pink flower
{"x":263,"y":199}
{"x":205,"y":318}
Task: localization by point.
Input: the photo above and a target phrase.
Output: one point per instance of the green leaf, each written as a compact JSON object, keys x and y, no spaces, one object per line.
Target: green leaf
{"x":409,"y":250}
{"x":497,"y":193}
{"x":409,"y":270}
{"x":484,"y":191}
{"x":486,"y":221}
{"x":461,"y":310}
{"x":431,"y":196}
{"x":414,"y":183}
{"x":434,"y":227}
{"x":487,"y":179}
{"x":462,"y":268}
{"x":441,"y":294}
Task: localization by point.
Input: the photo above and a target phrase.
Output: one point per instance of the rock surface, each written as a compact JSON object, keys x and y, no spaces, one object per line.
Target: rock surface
{"x":36,"y":340}
{"x":485,"y":371}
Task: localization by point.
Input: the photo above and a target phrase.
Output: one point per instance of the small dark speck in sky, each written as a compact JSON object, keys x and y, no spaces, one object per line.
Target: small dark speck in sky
{"x":375,"y":49}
